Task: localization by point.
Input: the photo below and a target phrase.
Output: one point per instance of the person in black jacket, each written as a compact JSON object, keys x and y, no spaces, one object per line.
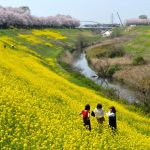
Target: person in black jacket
{"x":112,"y":117}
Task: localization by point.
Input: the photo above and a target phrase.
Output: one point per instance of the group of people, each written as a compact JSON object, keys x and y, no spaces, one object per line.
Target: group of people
{"x":98,"y":113}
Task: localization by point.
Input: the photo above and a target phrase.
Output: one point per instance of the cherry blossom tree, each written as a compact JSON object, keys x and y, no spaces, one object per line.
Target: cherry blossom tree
{"x":137,"y":22}
{"x":21,"y":17}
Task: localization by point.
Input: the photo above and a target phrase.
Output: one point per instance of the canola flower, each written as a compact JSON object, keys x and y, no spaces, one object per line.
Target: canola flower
{"x":39,"y":109}
{"x":48,"y":33}
{"x":35,"y":37}
{"x":6,"y":40}
{"x":30,"y":38}
{"x":48,"y":44}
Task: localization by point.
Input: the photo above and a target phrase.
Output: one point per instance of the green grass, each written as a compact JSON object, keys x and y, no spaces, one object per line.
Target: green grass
{"x":137,"y":46}
{"x":100,"y":51}
{"x":140,"y":44}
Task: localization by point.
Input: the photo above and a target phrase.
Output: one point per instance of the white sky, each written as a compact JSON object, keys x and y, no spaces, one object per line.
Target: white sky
{"x":85,"y":10}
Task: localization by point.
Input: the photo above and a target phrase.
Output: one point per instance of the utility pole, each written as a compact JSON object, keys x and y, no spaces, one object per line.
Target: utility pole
{"x":112,"y":18}
{"x":120,"y":19}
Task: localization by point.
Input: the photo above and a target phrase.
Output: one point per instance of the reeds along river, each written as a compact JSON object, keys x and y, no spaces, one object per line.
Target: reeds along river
{"x":123,"y":91}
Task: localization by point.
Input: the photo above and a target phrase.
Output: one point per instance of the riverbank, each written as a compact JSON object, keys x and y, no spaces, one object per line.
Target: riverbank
{"x":122,"y":92}
{"x":115,"y":55}
{"x":77,"y":61}
{"x":90,"y":80}
{"x":126,"y":72}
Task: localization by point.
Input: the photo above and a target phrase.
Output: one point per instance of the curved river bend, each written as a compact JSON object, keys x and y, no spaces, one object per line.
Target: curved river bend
{"x":124,"y":92}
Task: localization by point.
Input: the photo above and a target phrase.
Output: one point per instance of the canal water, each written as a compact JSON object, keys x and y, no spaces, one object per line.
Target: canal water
{"x":81,"y":64}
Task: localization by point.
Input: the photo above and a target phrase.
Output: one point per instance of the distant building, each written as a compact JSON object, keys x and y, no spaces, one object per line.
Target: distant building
{"x":129,"y":22}
{"x":107,"y":33}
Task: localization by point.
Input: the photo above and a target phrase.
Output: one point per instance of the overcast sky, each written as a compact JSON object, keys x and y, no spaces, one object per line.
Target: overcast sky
{"x":85,"y":10}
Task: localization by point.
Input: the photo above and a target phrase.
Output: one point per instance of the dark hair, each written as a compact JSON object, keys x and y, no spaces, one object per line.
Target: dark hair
{"x":99,"y":106}
{"x":87,"y":107}
{"x":113,"y":109}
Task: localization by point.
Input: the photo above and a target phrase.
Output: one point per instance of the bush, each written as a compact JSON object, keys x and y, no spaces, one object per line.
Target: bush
{"x":116,"y":51}
{"x":110,"y":51}
{"x":81,"y":42}
{"x":111,"y":70}
{"x":138,"y":60}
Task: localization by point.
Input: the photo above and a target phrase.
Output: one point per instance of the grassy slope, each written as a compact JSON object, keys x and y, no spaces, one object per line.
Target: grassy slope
{"x":141,"y":41}
{"x":138,"y":42}
{"x":39,"y":104}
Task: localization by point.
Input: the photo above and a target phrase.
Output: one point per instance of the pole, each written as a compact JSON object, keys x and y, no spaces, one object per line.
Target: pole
{"x":112,"y":18}
{"x":120,"y":19}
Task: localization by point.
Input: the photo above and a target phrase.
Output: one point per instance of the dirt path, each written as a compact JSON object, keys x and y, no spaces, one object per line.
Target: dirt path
{"x":109,"y":41}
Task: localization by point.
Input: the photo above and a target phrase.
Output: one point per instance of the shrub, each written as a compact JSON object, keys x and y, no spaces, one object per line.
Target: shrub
{"x":116,"y":51}
{"x":138,"y":60}
{"x":81,"y":42}
{"x":110,"y":51}
{"x":111,"y":70}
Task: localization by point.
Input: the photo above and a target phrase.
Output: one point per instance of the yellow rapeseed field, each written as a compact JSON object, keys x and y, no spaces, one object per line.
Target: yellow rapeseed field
{"x":39,"y":107}
{"x":49,"y":34}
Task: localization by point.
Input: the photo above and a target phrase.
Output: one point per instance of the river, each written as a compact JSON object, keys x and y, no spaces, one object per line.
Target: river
{"x":123,"y":91}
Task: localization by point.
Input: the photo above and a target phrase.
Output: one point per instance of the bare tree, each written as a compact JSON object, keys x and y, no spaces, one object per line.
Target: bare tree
{"x":102,"y":66}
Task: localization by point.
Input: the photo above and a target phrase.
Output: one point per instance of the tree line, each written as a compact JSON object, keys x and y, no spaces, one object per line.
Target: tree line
{"x":21,"y":18}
